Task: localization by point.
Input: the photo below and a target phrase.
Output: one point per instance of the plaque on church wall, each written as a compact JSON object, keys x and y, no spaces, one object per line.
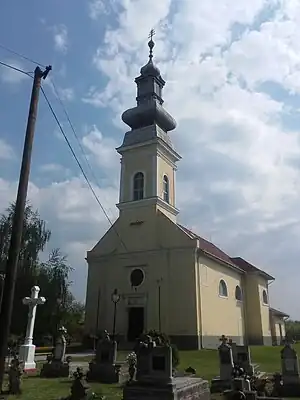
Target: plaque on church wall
{"x":136,"y":301}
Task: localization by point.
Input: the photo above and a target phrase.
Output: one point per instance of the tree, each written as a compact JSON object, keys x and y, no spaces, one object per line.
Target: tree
{"x":292,"y":329}
{"x":54,"y":278}
{"x":34,"y":239}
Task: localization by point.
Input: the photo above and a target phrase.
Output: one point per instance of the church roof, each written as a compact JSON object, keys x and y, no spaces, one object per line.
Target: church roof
{"x":149,"y":109}
{"x":247,"y":267}
{"x":210,"y":248}
{"x":278,"y":313}
{"x":237,"y":262}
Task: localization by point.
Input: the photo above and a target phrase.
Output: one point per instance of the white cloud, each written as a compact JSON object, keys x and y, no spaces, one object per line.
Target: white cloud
{"x":96,"y":9}
{"x":72,"y":214}
{"x":6,"y":151}
{"x":66,"y":94}
{"x":235,"y":183}
{"x":60,"y":38}
{"x":9,"y":75}
{"x":102,"y":148}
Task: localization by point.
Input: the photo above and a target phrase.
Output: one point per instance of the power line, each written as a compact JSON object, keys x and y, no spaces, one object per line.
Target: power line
{"x":16,"y":69}
{"x":74,"y":132}
{"x":81,"y":169}
{"x":21,"y":55}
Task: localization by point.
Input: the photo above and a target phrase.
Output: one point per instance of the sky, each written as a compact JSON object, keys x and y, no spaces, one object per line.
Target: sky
{"x":232,"y":71}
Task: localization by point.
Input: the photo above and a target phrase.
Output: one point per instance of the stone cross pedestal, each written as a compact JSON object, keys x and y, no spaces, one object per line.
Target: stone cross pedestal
{"x":27,"y":350}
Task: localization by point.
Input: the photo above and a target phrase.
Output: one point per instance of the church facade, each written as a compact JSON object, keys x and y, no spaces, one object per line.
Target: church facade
{"x":167,"y":278}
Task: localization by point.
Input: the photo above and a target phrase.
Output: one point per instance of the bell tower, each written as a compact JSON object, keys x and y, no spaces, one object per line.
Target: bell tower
{"x":148,"y":158}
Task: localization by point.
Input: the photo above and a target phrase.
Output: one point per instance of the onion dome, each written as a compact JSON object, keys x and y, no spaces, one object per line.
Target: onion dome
{"x":149,"y":109}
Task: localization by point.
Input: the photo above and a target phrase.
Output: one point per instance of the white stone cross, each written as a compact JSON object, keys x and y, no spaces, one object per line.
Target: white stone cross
{"x":27,"y":350}
{"x":32,"y":302}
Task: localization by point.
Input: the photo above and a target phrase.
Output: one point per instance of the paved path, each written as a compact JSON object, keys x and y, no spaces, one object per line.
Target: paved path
{"x":42,"y":357}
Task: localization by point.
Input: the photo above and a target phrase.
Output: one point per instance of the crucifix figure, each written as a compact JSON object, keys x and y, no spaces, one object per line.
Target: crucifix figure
{"x":27,"y":350}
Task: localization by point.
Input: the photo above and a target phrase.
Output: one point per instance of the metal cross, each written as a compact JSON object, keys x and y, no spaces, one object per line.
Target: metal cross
{"x":151,"y":34}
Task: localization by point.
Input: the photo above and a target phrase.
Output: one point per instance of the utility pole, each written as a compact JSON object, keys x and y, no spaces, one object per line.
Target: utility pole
{"x":18,"y":220}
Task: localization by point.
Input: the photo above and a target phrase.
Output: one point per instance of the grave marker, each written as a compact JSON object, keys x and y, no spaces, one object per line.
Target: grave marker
{"x":290,"y":371}
{"x":27,"y":350}
{"x":104,"y":368}
{"x":154,"y":380}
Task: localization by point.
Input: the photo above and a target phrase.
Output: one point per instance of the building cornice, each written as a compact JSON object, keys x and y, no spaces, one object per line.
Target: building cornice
{"x":164,"y":148}
{"x":155,"y":201}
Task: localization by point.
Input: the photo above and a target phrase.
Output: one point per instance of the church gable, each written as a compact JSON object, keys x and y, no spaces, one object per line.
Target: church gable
{"x":108,"y":243}
{"x":172,"y":234}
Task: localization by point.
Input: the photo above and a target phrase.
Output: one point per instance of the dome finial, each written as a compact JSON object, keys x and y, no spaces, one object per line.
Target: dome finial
{"x":151,"y":44}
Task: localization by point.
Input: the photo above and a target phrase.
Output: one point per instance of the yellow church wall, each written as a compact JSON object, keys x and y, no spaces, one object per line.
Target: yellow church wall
{"x":164,"y":168}
{"x":277,"y":329}
{"x":265,"y":312}
{"x":220,"y":315}
{"x":142,"y":160}
{"x":175,"y":274}
{"x":258,"y":319}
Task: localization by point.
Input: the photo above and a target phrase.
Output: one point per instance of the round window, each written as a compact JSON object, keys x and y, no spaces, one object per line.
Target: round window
{"x":137,"y":277}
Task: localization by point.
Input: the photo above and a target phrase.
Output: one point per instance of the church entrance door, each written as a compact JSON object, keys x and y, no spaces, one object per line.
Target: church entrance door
{"x":135,"y":323}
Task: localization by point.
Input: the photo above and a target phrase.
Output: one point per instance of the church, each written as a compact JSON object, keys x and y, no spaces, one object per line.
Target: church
{"x":150,"y":272}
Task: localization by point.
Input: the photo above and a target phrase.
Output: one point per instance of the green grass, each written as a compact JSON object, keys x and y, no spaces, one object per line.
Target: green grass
{"x":204,"y":361}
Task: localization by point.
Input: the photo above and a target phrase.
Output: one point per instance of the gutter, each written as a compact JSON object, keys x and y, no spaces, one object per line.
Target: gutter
{"x":200,"y":298}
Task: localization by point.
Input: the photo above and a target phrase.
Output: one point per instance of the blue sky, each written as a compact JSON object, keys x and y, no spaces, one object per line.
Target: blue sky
{"x":233,"y":85}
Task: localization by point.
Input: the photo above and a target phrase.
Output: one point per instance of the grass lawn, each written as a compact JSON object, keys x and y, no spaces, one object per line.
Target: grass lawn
{"x":204,"y":361}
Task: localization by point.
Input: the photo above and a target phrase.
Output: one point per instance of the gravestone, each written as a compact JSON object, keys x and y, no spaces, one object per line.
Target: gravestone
{"x":290,"y":371}
{"x":242,"y":358}
{"x":223,"y":381}
{"x":57,"y":366}
{"x":103,"y":368}
{"x":154,"y":378}
{"x":14,"y":377}
{"x":27,"y":350}
{"x":79,"y":388}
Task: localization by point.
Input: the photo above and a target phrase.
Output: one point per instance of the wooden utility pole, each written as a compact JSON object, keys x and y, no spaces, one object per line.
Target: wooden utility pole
{"x":17,"y":224}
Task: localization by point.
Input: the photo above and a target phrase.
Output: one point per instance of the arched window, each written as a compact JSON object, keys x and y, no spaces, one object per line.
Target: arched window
{"x":138,"y":186}
{"x":223,"y":289}
{"x":265,"y":297}
{"x":166,"y":189}
{"x":238,"y":293}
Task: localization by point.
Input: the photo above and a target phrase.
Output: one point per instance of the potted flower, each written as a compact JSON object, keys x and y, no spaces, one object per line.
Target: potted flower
{"x":131,"y":360}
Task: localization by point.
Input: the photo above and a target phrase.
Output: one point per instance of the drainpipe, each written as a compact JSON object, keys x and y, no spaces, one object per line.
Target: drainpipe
{"x":199,"y":294}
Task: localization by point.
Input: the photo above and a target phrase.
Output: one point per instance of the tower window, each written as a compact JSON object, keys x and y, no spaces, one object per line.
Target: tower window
{"x":265,"y":297}
{"x":166,"y":189}
{"x":138,"y":186}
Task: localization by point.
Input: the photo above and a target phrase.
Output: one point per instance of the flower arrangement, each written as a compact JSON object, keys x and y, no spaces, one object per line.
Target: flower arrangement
{"x":131,"y":359}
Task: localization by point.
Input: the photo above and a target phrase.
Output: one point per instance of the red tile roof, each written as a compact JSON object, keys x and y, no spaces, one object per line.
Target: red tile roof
{"x":210,"y":248}
{"x":278,"y":313}
{"x":247,"y":267}
{"x":236,"y":262}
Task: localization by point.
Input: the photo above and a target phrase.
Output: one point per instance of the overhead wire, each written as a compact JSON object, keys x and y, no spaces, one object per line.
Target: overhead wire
{"x":20,"y":55}
{"x":74,"y":131}
{"x":16,"y":69}
{"x":63,"y":133}
{"x":81,"y":168}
